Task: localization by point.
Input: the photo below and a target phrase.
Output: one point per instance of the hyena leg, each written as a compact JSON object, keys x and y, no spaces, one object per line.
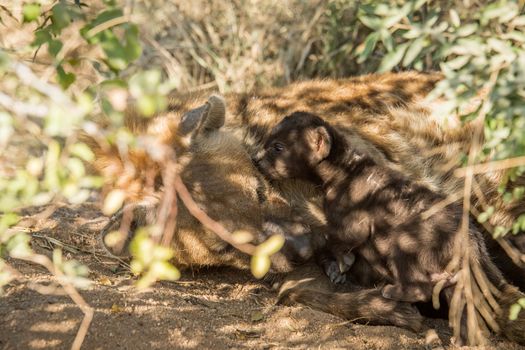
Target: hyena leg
{"x":307,"y":285}
{"x":410,"y":293}
{"x":411,"y":284}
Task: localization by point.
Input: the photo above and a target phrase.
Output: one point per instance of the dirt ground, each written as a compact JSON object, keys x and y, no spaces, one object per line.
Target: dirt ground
{"x":215,"y":308}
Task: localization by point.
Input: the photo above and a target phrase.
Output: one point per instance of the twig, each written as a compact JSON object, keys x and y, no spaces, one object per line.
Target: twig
{"x":441,"y":205}
{"x":171,"y":61}
{"x":206,"y":221}
{"x":169,"y":204}
{"x":172,"y":177}
{"x":106,"y":25}
{"x":53,"y":92}
{"x":491,"y":166}
{"x":517,"y":257}
{"x":23,"y":108}
{"x":465,"y":286}
{"x":71,"y":291}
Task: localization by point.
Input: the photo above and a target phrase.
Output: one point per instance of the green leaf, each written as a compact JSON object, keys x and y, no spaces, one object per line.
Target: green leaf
{"x":257,"y":316}
{"x":60,"y":16}
{"x":76,"y":168}
{"x":18,"y":246}
{"x":54,"y":47}
{"x":413,"y":51}
{"x":454,"y":18}
{"x":260,"y":265}
{"x":483,"y":217}
{"x":396,"y":17}
{"x":499,"y":231}
{"x":113,"y":201}
{"x":467,"y":29}
{"x":41,"y":37}
{"x":374,"y":23}
{"x":387,"y":40}
{"x":52,"y":177}
{"x":518,"y":192}
{"x":507,"y":197}
{"x":521,"y":221}
{"x":502,"y":10}
{"x":31,"y":12}
{"x":242,"y":236}
{"x":369,"y":46}
{"x":458,"y":62}
{"x":514,"y":312}
{"x":270,"y":246}
{"x":133,"y":48}
{"x":521,"y":302}
{"x":146,"y":105}
{"x":163,"y":270}
{"x":82,"y":151}
{"x":8,"y":220}
{"x":392,"y":58}
{"x":65,"y":79}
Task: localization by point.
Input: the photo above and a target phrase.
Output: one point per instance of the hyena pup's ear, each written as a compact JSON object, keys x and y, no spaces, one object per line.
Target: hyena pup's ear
{"x":320,"y":143}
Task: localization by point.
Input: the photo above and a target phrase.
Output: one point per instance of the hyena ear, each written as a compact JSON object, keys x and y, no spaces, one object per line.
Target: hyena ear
{"x":203,"y":119}
{"x":320,"y":142}
{"x":216,"y":114}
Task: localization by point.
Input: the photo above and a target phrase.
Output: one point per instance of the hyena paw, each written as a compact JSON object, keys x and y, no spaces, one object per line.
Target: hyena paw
{"x":345,"y":262}
{"x":333,"y":272}
{"x":336,"y":269}
{"x":409,"y":294}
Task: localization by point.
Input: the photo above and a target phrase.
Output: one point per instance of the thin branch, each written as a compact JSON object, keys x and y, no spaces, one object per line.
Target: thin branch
{"x":206,"y":221}
{"x":71,"y":291}
{"x":441,"y":205}
{"x":23,"y":108}
{"x":108,"y":24}
{"x":491,"y":166}
{"x":171,"y":175}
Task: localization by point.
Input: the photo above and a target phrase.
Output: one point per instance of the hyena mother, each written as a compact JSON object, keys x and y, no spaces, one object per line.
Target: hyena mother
{"x":383,"y":114}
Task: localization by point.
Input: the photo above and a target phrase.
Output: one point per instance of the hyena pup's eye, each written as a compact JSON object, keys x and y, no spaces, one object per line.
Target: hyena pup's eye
{"x":278,"y":147}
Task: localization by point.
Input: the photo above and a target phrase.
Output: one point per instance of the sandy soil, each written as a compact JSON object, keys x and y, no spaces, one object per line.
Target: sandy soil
{"x":215,"y":308}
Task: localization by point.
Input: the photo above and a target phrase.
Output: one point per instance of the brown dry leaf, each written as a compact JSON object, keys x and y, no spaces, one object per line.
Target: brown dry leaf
{"x":103,"y":280}
{"x":257,"y":316}
{"x":116,"y":308}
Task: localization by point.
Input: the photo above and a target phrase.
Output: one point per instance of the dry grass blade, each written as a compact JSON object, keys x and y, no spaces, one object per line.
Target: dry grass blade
{"x":106,"y":25}
{"x":466,"y":288}
{"x":441,"y":205}
{"x":491,"y":166}
{"x":208,"y":222}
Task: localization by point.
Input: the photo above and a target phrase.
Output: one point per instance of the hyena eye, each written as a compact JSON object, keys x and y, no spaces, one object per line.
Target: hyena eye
{"x":278,"y":147}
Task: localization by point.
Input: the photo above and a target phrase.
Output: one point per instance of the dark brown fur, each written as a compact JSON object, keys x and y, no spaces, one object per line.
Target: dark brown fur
{"x":367,"y":205}
{"x":383,"y":114}
{"x":375,"y":211}
{"x":386,"y":116}
{"x":222,"y":179}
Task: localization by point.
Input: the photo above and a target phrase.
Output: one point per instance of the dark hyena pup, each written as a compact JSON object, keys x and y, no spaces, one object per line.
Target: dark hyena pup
{"x":370,"y":208}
